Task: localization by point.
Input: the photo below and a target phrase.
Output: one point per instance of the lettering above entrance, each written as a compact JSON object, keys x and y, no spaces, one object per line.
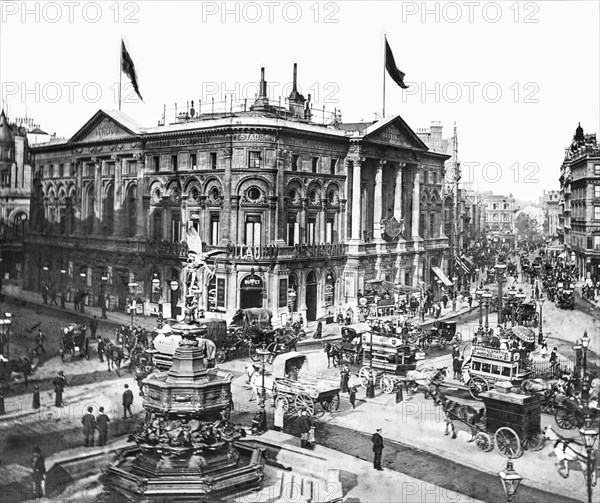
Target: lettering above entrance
{"x":106,"y":128}
{"x":393,"y":135}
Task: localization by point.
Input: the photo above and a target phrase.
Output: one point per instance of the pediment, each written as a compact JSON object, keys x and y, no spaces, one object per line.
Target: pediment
{"x":394,"y":132}
{"x":101,"y":127}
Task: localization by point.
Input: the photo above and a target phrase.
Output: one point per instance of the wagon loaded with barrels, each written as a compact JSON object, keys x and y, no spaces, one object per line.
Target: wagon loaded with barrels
{"x":296,"y":388}
{"x":386,"y":359}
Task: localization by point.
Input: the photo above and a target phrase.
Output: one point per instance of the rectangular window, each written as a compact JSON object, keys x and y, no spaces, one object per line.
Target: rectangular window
{"x":254,"y":159}
{"x":283,"y":292}
{"x":156,"y":162}
{"x":194,"y":161}
{"x":332,"y":166}
{"x":596,"y":212}
{"x":293,"y":230}
{"x":435,"y":177}
{"x":310,"y":231}
{"x":330,"y":236}
{"x":175,"y":229}
{"x":295,"y":159}
{"x":195,"y":219}
{"x":174,"y":162}
{"x":597,"y":169}
{"x":315,"y":164}
{"x":213,"y":160}
{"x":432,"y":232}
{"x":253,"y":230}
{"x":596,"y":191}
{"x":596,"y":242}
{"x":61,"y":170}
{"x":157,"y":225}
{"x":495,"y":206}
{"x":215,"y":223}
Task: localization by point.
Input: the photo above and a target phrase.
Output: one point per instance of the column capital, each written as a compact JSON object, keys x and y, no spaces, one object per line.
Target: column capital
{"x":115,"y":157}
{"x":382,"y":162}
{"x":95,"y":161}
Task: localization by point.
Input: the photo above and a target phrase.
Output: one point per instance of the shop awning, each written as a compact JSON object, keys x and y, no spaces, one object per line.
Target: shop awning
{"x":443,"y":278}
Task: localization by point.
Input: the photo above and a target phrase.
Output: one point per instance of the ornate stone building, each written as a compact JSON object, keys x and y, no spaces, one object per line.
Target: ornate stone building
{"x":305,"y":213}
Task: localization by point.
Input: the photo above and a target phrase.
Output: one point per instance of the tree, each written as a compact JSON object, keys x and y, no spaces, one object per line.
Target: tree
{"x":526,"y":226}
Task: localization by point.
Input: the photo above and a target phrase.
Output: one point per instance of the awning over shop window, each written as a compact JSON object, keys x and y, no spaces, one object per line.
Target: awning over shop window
{"x":444,"y":279}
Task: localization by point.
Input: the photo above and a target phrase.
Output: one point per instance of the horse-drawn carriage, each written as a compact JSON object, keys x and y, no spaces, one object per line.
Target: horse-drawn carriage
{"x":565,"y":299}
{"x":442,"y":333}
{"x":295,"y":388}
{"x":571,"y":413}
{"x":72,"y":341}
{"x":527,"y":314}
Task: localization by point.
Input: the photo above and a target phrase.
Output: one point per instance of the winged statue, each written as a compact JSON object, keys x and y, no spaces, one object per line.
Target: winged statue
{"x":197,"y":259}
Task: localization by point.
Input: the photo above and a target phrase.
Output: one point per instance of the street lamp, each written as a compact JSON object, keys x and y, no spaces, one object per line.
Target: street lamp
{"x":585,"y":342}
{"x":510,"y":480}
{"x":82,"y":275}
{"x":263,"y":355}
{"x":512,"y":292}
{"x":291,"y":302}
{"x":454,"y":280}
{"x":589,"y":436}
{"x":476,"y":275}
{"x":132,"y":290}
{"x":541,"y":304}
{"x":487,"y":296}
{"x":479,"y":294}
{"x":62,"y":292}
{"x":500,"y":268}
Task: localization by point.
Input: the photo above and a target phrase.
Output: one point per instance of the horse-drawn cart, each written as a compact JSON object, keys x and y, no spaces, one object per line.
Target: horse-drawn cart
{"x":72,"y":340}
{"x":296,"y":388}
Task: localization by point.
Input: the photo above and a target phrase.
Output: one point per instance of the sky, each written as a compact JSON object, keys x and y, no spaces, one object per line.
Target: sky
{"x":515,"y":77}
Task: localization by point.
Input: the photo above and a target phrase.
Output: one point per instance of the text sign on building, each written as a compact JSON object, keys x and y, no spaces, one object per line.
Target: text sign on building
{"x":252,"y":282}
{"x":221,"y":292}
{"x":491,"y":353}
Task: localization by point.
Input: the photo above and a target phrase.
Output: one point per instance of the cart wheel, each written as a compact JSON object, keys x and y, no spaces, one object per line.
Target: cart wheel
{"x":508,"y":442}
{"x":332,"y":404}
{"x":458,"y":336}
{"x":565,"y":419}
{"x":477,"y":385}
{"x":484,"y":442}
{"x":283,"y":401}
{"x":534,"y":442}
{"x":221,"y":356}
{"x":364,"y":375}
{"x":387,"y":384}
{"x":304,"y":402}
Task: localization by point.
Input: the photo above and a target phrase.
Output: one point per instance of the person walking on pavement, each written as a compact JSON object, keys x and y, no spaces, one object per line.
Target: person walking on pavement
{"x":59,"y":382}
{"x":377,"y":440}
{"x":101,"y":348}
{"x":319,"y":331}
{"x":304,"y":424}
{"x":344,"y":378}
{"x":44,"y":293}
{"x":278,"y":417}
{"x":127,"y":401}
{"x":36,"y":397}
{"x":353,"y":396}
{"x":102,"y":421}
{"x":93,"y":327}
{"x":53,"y":297}
{"x":38,"y":474}
{"x":76,"y":301}
{"x":62,"y":299}
{"x":89,"y":427}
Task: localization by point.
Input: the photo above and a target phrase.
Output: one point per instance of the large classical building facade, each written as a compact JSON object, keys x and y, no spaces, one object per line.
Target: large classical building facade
{"x":304,"y":214}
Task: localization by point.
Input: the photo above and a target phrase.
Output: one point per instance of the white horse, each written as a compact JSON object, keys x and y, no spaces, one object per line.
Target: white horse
{"x":567,"y":450}
{"x":255,"y":380}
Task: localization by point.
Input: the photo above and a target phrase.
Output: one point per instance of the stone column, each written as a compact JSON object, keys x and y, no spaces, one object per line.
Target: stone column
{"x":322,"y":221}
{"x":416,"y":201}
{"x":140,"y":215}
{"x":226,"y":228}
{"x":235,"y":208}
{"x":272,"y":230}
{"x":118,"y":202}
{"x":302,"y":237}
{"x":282,"y":157}
{"x":184,"y":217}
{"x":98,"y":166}
{"x":356,"y":197}
{"x":78,"y":202}
{"x":398,"y":193}
{"x":342,"y":222}
{"x":378,"y":200}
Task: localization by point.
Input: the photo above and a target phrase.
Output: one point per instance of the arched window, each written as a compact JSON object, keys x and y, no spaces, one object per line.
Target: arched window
{"x":89,"y":209}
{"x":109,"y":211}
{"x":157,"y":220}
{"x":131,"y":211}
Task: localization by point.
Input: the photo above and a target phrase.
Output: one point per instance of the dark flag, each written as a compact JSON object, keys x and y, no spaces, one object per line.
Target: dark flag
{"x":392,"y":69}
{"x":128,"y":69}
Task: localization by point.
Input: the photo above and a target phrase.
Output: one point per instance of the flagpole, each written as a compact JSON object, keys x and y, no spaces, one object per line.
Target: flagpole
{"x":384,"y":61}
{"x":120,"y":71}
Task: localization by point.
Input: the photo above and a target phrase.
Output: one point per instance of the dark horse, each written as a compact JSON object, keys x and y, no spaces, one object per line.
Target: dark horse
{"x":334,"y":354}
{"x":464,"y":413}
{"x":114,"y":355}
{"x":16,"y":366}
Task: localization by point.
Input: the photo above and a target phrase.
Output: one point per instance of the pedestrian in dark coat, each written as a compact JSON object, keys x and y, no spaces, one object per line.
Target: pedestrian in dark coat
{"x":377,"y":440}
{"x":344,"y":378}
{"x":304,"y":425}
{"x":353,"y":396}
{"x":101,"y":347}
{"x":318,"y":331}
{"x":36,"y":398}
{"x":470,"y":300}
{"x":59,"y":382}
{"x":53,"y":297}
{"x":102,"y":421}
{"x":93,"y":327}
{"x":76,"y":301}
{"x":127,"y":401}
{"x":38,"y":474}
{"x":89,"y":427}
{"x":456,"y":367}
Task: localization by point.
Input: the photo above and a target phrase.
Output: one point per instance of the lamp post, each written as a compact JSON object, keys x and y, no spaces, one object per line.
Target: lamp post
{"x":479,"y":294}
{"x":82,"y":276}
{"x":62,"y":292}
{"x":291,"y":302}
{"x":500,"y":268}
{"x":454,"y":280}
{"x":585,"y":342}
{"x":263,"y":355}
{"x":512,"y":292}
{"x":487,"y":296}
{"x":132,"y":290}
{"x":371,"y":380}
{"x":541,"y":304}
{"x":589,"y":436}
{"x":510,"y":480}
{"x":476,"y":275}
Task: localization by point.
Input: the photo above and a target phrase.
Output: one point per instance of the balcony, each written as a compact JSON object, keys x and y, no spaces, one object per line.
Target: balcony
{"x":270,"y":253}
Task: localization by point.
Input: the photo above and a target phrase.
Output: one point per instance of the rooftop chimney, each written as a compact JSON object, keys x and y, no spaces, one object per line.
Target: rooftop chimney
{"x":295,"y":99}
{"x":262,"y":100}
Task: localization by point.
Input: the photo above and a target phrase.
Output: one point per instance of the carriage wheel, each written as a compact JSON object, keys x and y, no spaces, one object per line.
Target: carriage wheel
{"x":364,"y":375}
{"x":221,"y":356}
{"x":282,"y":401}
{"x":565,"y":419}
{"x":508,"y":442}
{"x":534,"y":442}
{"x":484,"y":442}
{"x":458,"y":336}
{"x":387,"y":384}
{"x":304,"y":402}
{"x":477,"y":385}
{"x":331,"y":404}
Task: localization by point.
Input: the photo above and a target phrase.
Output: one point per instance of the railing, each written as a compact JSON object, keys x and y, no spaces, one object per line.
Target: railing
{"x":544,"y":370}
{"x":244,"y":253}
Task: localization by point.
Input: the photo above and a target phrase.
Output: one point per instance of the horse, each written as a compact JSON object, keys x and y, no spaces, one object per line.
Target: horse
{"x":334,"y":353}
{"x":548,"y":389}
{"x":567,"y":450}
{"x":426,"y":376}
{"x":114,"y":355}
{"x":465,"y":413}
{"x":255,"y":379}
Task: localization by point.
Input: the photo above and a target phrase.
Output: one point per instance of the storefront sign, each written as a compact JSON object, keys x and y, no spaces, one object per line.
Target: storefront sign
{"x":252,"y":282}
{"x":244,"y":252}
{"x":491,"y":353}
{"x":253,"y":137}
{"x":179,"y":142}
{"x":221,"y":292}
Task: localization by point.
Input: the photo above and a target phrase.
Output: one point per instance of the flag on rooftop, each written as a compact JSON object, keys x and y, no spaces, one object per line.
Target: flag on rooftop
{"x":128,"y":69}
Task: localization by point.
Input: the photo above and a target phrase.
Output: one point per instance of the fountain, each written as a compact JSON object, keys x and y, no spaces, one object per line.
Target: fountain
{"x":186,"y":450}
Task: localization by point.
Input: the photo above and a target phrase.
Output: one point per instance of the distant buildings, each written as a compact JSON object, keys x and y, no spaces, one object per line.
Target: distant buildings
{"x":579,"y":203}
{"x":551,"y":209}
{"x":500,"y":217}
